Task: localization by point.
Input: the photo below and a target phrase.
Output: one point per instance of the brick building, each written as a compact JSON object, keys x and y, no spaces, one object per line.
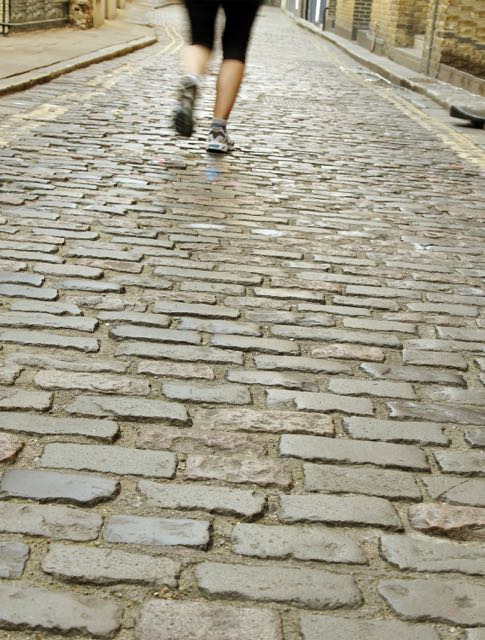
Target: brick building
{"x":441,"y":38}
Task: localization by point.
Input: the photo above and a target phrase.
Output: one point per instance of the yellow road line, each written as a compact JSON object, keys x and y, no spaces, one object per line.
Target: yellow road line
{"x":455,"y":140}
{"x":49,"y":112}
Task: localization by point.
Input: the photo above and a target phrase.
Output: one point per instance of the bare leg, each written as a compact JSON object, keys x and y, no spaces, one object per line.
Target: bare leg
{"x":228,"y":83}
{"x":195,"y":59}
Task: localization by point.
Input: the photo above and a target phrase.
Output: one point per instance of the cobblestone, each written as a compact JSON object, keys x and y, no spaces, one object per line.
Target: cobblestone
{"x":309,"y":543}
{"x":451,"y":601}
{"x":353,"y":452}
{"x":354,"y":510}
{"x":13,"y":556}
{"x":238,"y":502}
{"x":303,"y":587}
{"x":314,"y":627}
{"x":121,"y":460}
{"x":22,"y":606}
{"x":263,"y":421}
{"x":165,"y":620}
{"x":9,"y":447}
{"x":377,"y":482}
{"x":46,"y":425}
{"x":108,"y":566}
{"x":238,"y":469}
{"x":128,"y":408}
{"x":60,"y":487}
{"x":332,"y":283}
{"x":443,"y":519}
{"x":157,"y":532}
{"x":417,"y":554}
{"x":59,"y":523}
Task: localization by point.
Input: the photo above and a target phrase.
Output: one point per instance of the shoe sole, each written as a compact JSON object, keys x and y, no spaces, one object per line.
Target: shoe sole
{"x":217,"y":148}
{"x":184,"y":123}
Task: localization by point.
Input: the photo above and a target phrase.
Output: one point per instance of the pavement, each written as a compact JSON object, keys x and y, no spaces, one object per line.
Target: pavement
{"x":443,"y":93}
{"x":241,"y":397}
{"x":34,"y":57}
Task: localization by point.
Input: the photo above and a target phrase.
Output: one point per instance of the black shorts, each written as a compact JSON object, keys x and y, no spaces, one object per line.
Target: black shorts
{"x":240,"y":15}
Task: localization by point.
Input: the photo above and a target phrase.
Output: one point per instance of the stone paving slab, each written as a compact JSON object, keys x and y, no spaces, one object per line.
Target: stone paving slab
{"x":240,"y":396}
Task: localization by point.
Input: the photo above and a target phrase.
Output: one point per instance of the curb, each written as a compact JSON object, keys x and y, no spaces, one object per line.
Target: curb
{"x":45,"y":74}
{"x":420,"y":83}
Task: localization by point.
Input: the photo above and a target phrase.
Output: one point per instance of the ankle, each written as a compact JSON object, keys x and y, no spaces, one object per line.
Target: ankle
{"x":219,"y":123}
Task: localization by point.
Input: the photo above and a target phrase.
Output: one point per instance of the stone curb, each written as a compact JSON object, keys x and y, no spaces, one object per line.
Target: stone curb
{"x":420,"y":83}
{"x":45,"y":74}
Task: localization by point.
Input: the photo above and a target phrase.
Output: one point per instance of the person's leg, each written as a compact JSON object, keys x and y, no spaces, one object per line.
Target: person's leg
{"x":202,"y":17}
{"x":240,"y":16}
{"x":195,"y":60}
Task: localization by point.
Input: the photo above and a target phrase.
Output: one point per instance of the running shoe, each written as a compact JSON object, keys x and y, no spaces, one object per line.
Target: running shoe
{"x":219,"y":141}
{"x":183,"y":118}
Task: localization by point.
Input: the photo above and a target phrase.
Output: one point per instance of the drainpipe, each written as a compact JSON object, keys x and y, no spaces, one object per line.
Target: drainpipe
{"x":432,"y":35}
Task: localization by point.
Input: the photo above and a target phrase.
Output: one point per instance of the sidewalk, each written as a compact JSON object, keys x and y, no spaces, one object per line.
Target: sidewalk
{"x":35,"y":57}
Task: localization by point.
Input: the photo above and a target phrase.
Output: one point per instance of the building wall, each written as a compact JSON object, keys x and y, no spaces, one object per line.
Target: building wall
{"x":22,"y":11}
{"x":344,"y":17}
{"x":463,"y":41}
{"x":351,"y":15}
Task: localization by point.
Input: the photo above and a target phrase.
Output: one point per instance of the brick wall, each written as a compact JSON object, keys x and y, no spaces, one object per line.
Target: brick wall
{"x":352,"y":15}
{"x":463,"y":38}
{"x":344,"y":16}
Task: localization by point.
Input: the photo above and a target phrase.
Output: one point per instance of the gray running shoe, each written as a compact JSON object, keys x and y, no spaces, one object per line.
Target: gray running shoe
{"x":219,"y":141}
{"x":183,"y":118}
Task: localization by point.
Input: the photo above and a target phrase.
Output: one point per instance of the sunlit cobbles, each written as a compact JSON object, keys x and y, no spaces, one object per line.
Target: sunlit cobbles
{"x":47,"y":425}
{"x":172,"y":620}
{"x":13,"y":556}
{"x":51,"y":521}
{"x":301,"y":543}
{"x":381,"y":454}
{"x":178,"y":352}
{"x":254,"y":420}
{"x":10,"y":446}
{"x":332,"y":509}
{"x":401,"y":431}
{"x":200,"y":441}
{"x":47,"y":320}
{"x":214,"y":393}
{"x":55,"y":610}
{"x":14,"y":398}
{"x":157,"y":532}
{"x":330,"y":478}
{"x":244,"y":503}
{"x":324,"y":402}
{"x":469,"y":462}
{"x":454,"y":601}
{"x":106,"y":459}
{"x":456,"y":489}
{"x":44,"y":339}
{"x":316,"y":589}
{"x":21,"y":291}
{"x":128,"y":408}
{"x":434,"y":555}
{"x":238,"y":469}
{"x":100,"y":383}
{"x":316,"y":627}
{"x":454,"y":521}
{"x":53,"y":486}
{"x":98,"y":565}
{"x":436,"y":412}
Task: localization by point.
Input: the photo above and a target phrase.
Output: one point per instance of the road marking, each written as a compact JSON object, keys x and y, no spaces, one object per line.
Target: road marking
{"x":456,"y":141}
{"x":11,"y":128}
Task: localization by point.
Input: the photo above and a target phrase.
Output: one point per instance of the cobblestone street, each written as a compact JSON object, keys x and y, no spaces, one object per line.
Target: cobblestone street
{"x":241,"y":398}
